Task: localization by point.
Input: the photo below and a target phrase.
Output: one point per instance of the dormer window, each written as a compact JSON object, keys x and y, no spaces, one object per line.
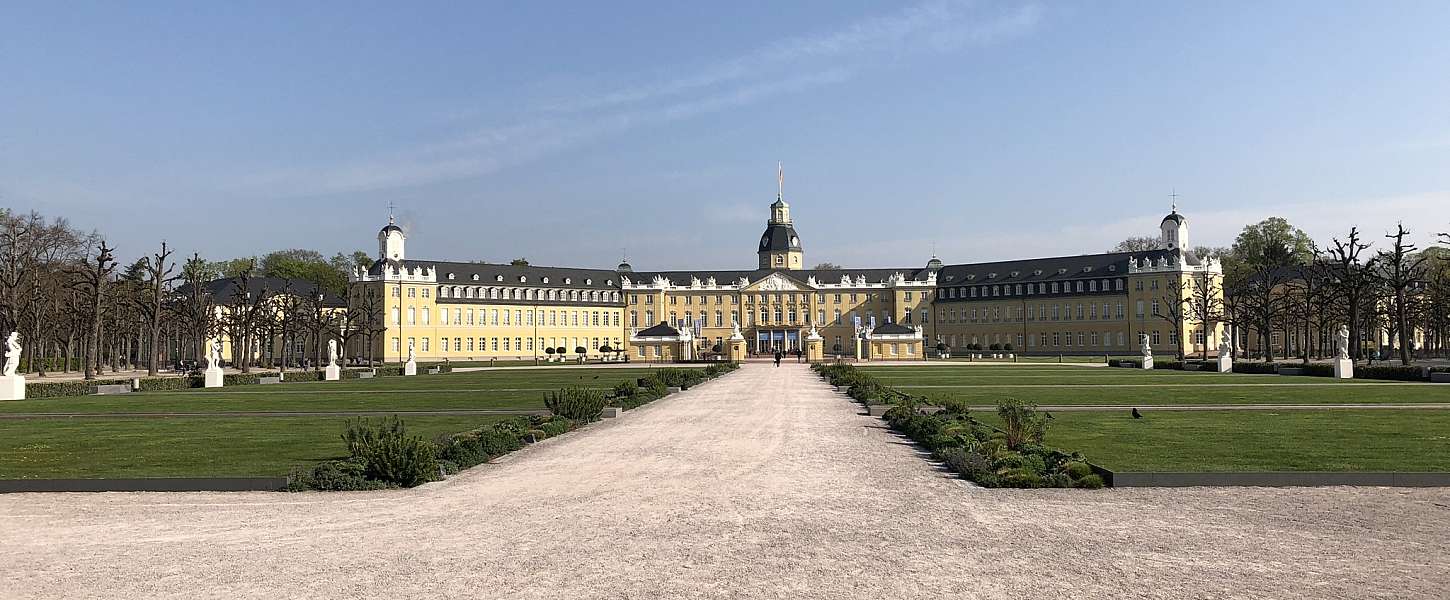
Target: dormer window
{"x":568,"y":280}
{"x":497,"y":277}
{"x":608,"y":282}
{"x":475,"y":276}
{"x":991,"y":276}
{"x":1112,"y":268}
{"x":971,"y":277}
{"x":1062,"y":271}
{"x":1037,"y":272}
{"x":588,"y":282}
{"x":450,"y":276}
{"x":1015,"y":273}
{"x":1087,"y":269}
{"x":545,"y":280}
{"x":523,"y":279}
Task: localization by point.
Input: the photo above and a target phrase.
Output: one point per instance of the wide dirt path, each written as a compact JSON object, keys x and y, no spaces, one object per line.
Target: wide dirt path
{"x":763,"y":484}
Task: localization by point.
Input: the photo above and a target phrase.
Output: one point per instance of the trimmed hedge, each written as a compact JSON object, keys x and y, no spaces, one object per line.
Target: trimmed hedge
{"x":39,"y":388}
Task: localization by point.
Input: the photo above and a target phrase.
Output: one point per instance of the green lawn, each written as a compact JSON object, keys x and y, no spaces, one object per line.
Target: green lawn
{"x":183,"y":447}
{"x":522,"y":389}
{"x":222,"y":445}
{"x":1066,"y":385}
{"x":1299,"y":440}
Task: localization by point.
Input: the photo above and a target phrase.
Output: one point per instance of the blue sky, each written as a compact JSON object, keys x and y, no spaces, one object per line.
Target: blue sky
{"x":565,"y":132}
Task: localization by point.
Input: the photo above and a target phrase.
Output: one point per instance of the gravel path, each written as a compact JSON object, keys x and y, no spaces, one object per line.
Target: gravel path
{"x":760,"y":485}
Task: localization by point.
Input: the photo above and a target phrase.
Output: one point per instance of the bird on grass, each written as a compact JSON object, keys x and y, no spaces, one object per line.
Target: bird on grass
{"x":596,"y":377}
{"x":1049,"y":415}
{"x":1136,"y":414}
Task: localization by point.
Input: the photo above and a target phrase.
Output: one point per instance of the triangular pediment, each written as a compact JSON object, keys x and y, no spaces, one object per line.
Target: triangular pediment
{"x":778,"y":282}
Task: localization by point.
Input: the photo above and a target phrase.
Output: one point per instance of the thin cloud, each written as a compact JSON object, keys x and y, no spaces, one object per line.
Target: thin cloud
{"x":788,"y":67}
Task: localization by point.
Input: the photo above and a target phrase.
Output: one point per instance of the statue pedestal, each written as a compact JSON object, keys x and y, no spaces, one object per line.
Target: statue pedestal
{"x":213,"y":377}
{"x":815,"y":350}
{"x":737,"y":350}
{"x":12,"y":387}
{"x":410,"y":367}
{"x":332,"y":373}
{"x":1225,"y":364}
{"x":1147,"y":362}
{"x":1343,"y":368}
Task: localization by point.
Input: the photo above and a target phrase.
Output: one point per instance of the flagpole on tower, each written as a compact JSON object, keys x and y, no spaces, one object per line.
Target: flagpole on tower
{"x":780,"y":180}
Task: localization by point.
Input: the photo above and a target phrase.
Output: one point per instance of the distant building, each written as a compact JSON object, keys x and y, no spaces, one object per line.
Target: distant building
{"x":1090,"y":304}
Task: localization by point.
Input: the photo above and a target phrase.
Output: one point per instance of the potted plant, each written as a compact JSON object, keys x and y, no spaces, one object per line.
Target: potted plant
{"x":550,"y":352}
{"x":582,"y":352}
{"x":941,"y":350}
{"x":605,"y":350}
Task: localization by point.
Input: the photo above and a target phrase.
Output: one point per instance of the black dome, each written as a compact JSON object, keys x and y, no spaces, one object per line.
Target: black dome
{"x":1175,"y":217}
{"x":390,"y":227}
{"x":779,"y":237}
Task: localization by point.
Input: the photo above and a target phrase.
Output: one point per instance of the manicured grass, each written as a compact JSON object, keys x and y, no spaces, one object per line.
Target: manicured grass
{"x":1300,"y":440}
{"x":1127,"y":387}
{"x":184,"y":447}
{"x":522,"y":389}
{"x":252,"y":446}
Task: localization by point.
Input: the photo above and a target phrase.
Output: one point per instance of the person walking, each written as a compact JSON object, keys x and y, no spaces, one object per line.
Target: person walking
{"x":777,"y":358}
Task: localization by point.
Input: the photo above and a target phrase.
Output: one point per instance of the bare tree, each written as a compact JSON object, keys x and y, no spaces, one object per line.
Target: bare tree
{"x":158,"y":269}
{"x":1175,"y":307}
{"x":1400,"y":269}
{"x":92,"y":282}
{"x":1205,"y":304}
{"x":1353,"y":280}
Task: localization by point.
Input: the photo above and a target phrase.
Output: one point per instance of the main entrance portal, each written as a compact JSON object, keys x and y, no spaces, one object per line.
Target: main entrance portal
{"x":768,"y":341}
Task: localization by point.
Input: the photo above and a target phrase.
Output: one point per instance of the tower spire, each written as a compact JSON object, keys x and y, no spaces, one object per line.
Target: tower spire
{"x":780,"y":180}
{"x":390,"y":212}
{"x":1174,"y":197}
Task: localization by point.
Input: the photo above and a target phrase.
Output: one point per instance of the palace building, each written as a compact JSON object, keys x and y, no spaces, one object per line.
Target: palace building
{"x":1089,"y":304}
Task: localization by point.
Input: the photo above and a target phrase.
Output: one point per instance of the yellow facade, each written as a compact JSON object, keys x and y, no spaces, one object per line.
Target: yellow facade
{"x":1084,"y":304}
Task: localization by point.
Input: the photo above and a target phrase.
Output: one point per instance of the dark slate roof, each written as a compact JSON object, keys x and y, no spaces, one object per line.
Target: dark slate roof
{"x":724,"y":277}
{"x":488,"y":273}
{"x":779,"y":236}
{"x":661,"y":330}
{"x":1112,"y":264}
{"x":223,"y":291}
{"x":892,"y":329}
{"x":1175,"y":217}
{"x":390,"y":227}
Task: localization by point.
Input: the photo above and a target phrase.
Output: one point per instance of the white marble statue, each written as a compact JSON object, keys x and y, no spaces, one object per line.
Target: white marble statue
{"x":12,"y":353}
{"x":331,"y":353}
{"x":1341,"y":342}
{"x":734,"y":329}
{"x":1147,"y":350}
{"x":411,"y":356}
{"x":1225,"y":348}
{"x":214,"y":358}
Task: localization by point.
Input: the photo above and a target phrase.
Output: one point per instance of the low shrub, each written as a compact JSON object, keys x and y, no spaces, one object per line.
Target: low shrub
{"x":388,"y":454}
{"x":576,"y":403}
{"x":1090,"y":482}
{"x":1173,"y":365}
{"x":335,"y":475}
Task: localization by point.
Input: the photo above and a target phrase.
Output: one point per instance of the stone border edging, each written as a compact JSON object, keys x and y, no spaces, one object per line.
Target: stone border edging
{"x":1277,"y":479}
{"x":146,"y":484}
